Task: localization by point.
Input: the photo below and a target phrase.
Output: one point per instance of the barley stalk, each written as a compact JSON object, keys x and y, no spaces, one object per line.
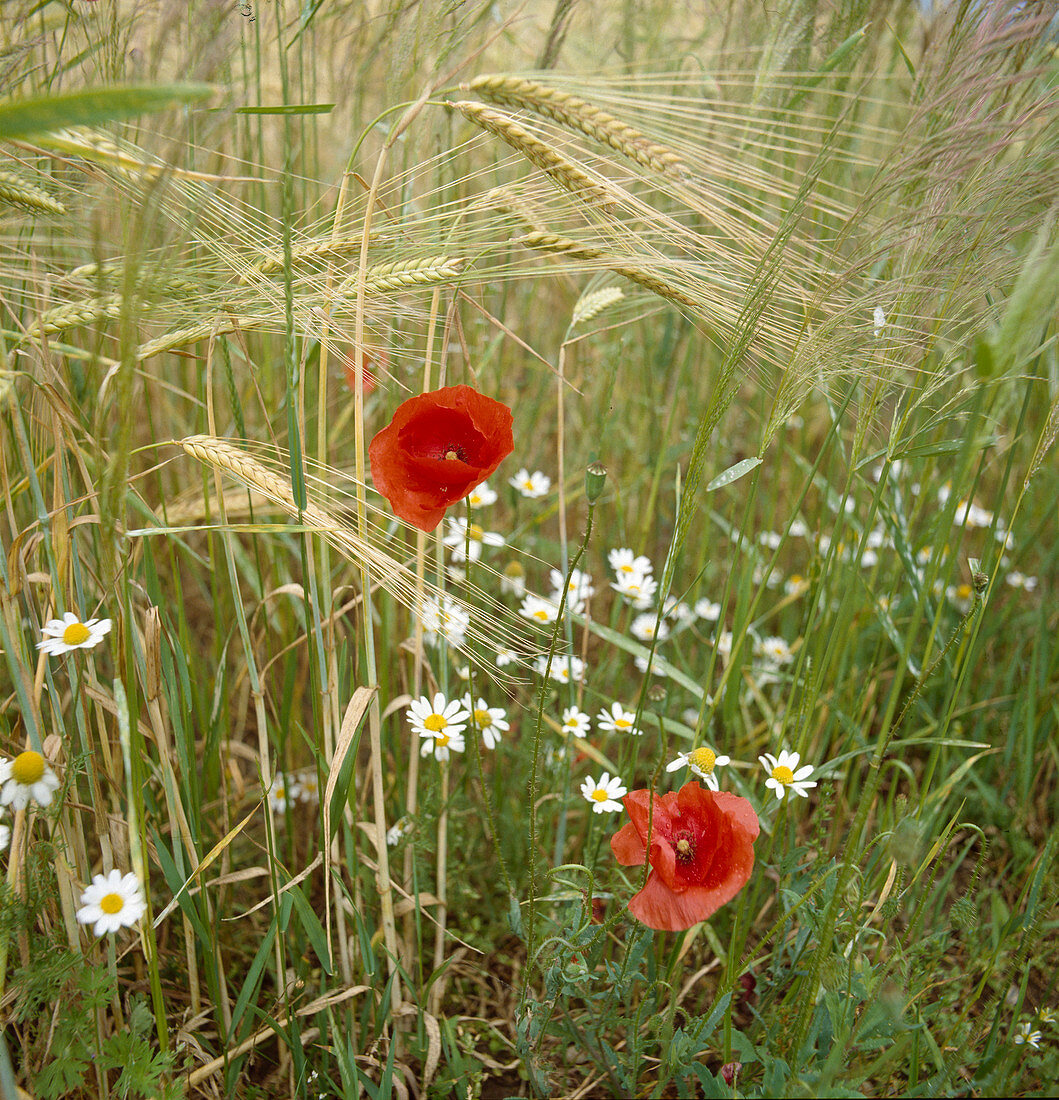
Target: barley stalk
{"x":564,"y":171}
{"x":569,"y":110}
{"x":17,"y":191}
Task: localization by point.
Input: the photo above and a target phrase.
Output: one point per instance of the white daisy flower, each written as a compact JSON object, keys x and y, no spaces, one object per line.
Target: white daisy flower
{"x":481,"y":496}
{"x":603,"y":795}
{"x":708,"y":610}
{"x":627,"y":564}
{"x":402,"y":827}
{"x":961,"y":596}
{"x":795,"y":585}
{"x":646,"y":627}
{"x":63,"y":635}
{"x":775,"y":650}
{"x":467,"y":541}
{"x":785,"y":775}
{"x":702,"y":761}
{"x":281,"y":792}
{"x":1005,"y":538}
{"x":769,"y":577}
{"x":1020,"y":580}
{"x":441,"y":744}
{"x":617,"y":720}
{"x":658,"y":667}
{"x":638,"y":590}
{"x":579,"y":589}
{"x":431,"y":717}
{"x":112,"y":901}
{"x":505,"y":657}
{"x":308,"y":786}
{"x":877,"y":537}
{"x":724,"y":644}
{"x":771,"y":540}
{"x":576,"y":722}
{"x":538,"y":610}
{"x":678,"y":611}
{"x":489,"y":721}
{"x":564,"y":668}
{"x":530,"y":485}
{"x":444,"y":618}
{"x":1029,"y":1035}
{"x":513,"y":580}
{"x":798,"y":529}
{"x":970,"y":514}
{"x":869,"y":559}
{"x":26,"y":779}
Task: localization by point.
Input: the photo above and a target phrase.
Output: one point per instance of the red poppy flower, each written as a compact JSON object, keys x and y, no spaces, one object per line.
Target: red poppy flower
{"x":437,"y":448}
{"x":701,"y":853}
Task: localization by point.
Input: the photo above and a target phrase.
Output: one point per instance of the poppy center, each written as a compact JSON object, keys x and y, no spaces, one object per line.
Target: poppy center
{"x":436,"y":723}
{"x":454,"y":453}
{"x":685,"y":848}
{"x":703,"y":759}
{"x":112,"y":903}
{"x":783,"y":774}
{"x":76,"y":634}
{"x":27,"y":768}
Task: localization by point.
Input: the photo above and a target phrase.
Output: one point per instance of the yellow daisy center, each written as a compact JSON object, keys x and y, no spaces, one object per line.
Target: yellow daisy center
{"x":476,"y":533}
{"x":600,"y":795}
{"x":622,"y":724}
{"x":964,"y":591}
{"x":76,"y":634}
{"x":442,"y":741}
{"x":541,"y":615}
{"x":783,"y":774}
{"x":112,"y":903}
{"x":483,"y":719}
{"x":703,"y":759}
{"x":28,"y":768}
{"x":436,"y":723}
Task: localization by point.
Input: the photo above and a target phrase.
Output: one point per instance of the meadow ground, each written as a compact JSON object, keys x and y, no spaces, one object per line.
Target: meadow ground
{"x":427,"y":430}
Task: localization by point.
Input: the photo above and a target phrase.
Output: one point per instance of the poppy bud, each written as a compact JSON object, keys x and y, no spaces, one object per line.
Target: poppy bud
{"x":595,"y":479}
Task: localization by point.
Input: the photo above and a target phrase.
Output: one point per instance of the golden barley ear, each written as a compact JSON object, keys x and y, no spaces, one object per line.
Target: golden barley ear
{"x":568,"y":110}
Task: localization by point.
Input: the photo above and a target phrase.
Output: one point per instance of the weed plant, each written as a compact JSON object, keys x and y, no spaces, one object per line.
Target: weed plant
{"x":770,"y":291}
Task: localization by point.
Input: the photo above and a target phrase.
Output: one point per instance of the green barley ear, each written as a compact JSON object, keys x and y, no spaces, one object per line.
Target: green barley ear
{"x":593,"y":303}
{"x":16,"y":191}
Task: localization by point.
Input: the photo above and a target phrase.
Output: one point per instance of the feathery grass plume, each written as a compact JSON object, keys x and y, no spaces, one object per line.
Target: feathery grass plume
{"x":569,"y":110}
{"x":17,"y":191}
{"x":567,"y":173}
{"x":405,"y":274}
{"x":491,"y":623}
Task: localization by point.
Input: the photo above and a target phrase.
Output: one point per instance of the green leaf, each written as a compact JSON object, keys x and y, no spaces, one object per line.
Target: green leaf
{"x":91,"y":108}
{"x":733,"y":473}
